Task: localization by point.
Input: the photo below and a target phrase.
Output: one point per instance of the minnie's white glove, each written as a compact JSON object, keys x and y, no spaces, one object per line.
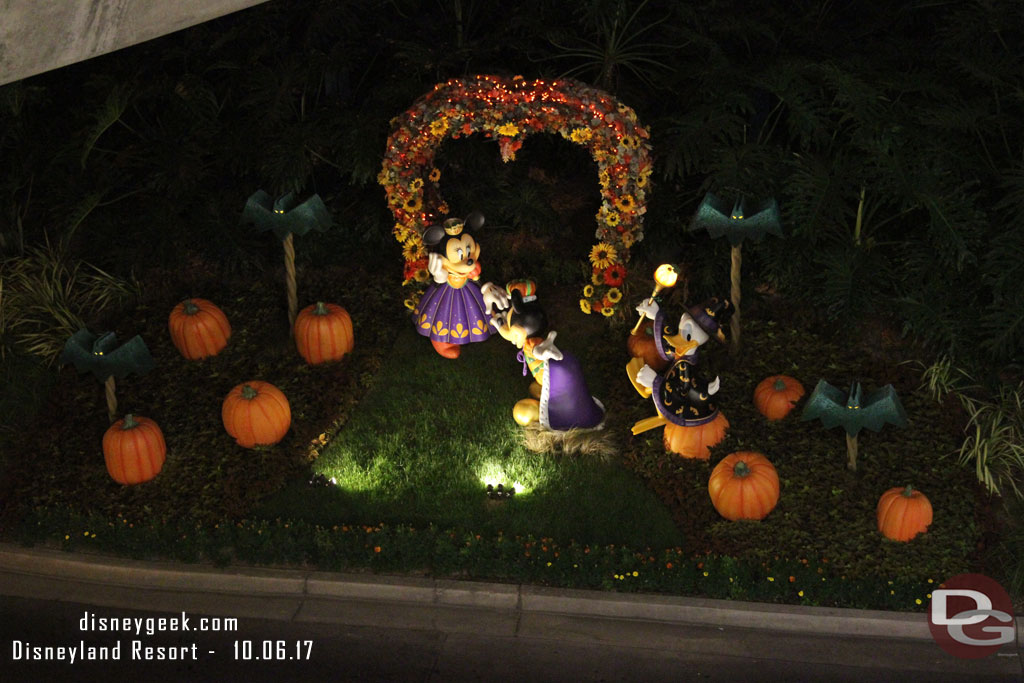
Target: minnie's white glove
{"x":494,"y":297}
{"x":547,"y":350}
{"x":435,"y":266}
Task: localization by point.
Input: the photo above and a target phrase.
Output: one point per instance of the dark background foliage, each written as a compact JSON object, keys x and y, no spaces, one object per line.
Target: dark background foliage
{"x":891,"y":137}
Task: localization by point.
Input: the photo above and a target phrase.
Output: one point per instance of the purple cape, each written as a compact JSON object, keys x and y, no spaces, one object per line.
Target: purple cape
{"x":565,"y":401}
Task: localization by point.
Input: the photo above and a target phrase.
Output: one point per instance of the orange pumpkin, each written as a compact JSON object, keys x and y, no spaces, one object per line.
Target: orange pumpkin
{"x":134,"y":449}
{"x":903,"y":513}
{"x":642,"y":345}
{"x":256,"y":414}
{"x":198,"y":328}
{"x":323,"y":333}
{"x":744,"y":485}
{"x":775,"y":396}
{"x":695,"y":442}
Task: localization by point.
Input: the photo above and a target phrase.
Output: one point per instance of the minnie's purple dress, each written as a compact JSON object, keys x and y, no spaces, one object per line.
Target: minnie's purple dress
{"x":453,"y":315}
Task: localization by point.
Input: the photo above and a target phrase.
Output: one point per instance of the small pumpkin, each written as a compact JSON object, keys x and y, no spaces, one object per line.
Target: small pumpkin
{"x":744,"y":485}
{"x":642,"y":345}
{"x":695,"y":442}
{"x":323,"y":333}
{"x":903,"y":513}
{"x":134,"y":449}
{"x":256,"y":414}
{"x":775,"y":396}
{"x":198,"y":328}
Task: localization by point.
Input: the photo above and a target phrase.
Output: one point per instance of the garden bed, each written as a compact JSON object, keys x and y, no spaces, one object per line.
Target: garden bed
{"x":410,"y":437}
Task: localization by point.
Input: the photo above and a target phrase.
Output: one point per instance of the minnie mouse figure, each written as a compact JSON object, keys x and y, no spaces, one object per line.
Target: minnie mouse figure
{"x":454,"y":309}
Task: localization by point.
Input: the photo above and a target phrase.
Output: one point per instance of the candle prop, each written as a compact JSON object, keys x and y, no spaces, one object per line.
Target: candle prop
{"x":664,"y":276}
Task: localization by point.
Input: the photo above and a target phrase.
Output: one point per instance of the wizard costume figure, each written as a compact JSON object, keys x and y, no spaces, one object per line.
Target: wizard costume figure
{"x":454,"y":309}
{"x":560,"y":398}
{"x":682,"y":397}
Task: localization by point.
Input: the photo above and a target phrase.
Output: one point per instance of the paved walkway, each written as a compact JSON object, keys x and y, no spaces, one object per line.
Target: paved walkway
{"x":365,"y":627}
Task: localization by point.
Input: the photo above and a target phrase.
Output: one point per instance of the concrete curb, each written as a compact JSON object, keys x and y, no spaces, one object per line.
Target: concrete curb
{"x":365,"y":599}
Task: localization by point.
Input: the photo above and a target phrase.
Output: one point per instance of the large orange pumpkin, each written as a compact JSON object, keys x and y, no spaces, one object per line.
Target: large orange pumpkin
{"x":323,"y":333}
{"x":744,"y":485}
{"x":134,"y":449}
{"x":198,"y":328}
{"x":256,"y":414}
{"x":903,"y":513}
{"x":695,"y":442}
{"x":775,"y":396}
{"x":642,"y":345}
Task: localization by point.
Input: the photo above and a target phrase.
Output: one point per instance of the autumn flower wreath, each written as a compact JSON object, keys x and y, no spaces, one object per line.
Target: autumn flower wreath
{"x":508,"y":110}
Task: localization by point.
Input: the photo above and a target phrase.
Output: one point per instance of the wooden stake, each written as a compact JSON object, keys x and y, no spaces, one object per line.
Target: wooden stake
{"x":851,"y":452}
{"x":111,"y":398}
{"x":289,"y":274}
{"x":734,"y":325}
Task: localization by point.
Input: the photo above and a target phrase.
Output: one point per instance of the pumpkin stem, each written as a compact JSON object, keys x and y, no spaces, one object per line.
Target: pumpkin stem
{"x":779,"y":385}
{"x":248,"y":392}
{"x":741,"y":469}
{"x":130,"y":422}
{"x":190,"y":308}
{"x":320,"y":309}
{"x":908,"y":492}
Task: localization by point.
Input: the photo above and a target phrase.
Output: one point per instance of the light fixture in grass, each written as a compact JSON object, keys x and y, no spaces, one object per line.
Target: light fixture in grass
{"x":106,"y":359}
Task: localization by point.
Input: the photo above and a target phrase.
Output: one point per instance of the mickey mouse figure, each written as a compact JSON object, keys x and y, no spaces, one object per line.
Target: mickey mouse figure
{"x":454,"y":310}
{"x":560,"y":398}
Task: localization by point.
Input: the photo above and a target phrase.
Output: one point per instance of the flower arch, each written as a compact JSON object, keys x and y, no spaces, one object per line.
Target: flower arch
{"x":509,"y":110}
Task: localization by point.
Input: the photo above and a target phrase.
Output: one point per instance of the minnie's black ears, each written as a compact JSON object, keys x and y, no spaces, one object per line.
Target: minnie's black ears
{"x":432,"y":235}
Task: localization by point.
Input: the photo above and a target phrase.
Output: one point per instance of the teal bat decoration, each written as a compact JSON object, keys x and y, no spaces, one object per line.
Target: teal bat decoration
{"x":738,"y":222}
{"x":102,"y":356}
{"x":854,"y":410}
{"x":285,"y":216}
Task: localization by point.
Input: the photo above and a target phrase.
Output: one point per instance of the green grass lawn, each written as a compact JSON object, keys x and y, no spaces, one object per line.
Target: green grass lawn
{"x":431,"y":433}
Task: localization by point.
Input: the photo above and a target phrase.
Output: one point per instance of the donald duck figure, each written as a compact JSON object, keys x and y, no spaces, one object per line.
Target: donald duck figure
{"x":684,"y":400}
